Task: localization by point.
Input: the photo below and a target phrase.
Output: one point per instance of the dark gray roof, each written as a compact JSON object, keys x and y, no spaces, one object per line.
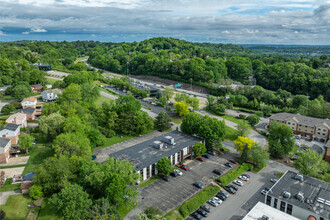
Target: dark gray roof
{"x":313,"y":190}
{"x":10,"y":126}
{"x":301,"y":119}
{"x":4,"y":142}
{"x":28,"y":110}
{"x":144,"y":154}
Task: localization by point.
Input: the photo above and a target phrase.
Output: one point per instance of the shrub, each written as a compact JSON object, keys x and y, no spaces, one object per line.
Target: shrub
{"x":36,"y":192}
{"x":2,"y":214}
{"x":233,"y":174}
{"x":241,"y":116}
{"x":259,"y":113}
{"x":198,"y":200}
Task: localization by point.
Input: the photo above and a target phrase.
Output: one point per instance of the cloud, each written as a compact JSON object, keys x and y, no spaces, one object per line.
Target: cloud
{"x":25,"y":32}
{"x":38,"y":30}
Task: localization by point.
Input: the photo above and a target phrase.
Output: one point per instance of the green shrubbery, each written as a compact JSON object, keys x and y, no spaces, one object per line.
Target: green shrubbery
{"x":198,"y":200}
{"x":232,"y":175}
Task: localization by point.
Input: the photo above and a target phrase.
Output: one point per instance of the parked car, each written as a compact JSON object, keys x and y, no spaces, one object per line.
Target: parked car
{"x":202,"y":212}
{"x":198,"y":185}
{"x":201,"y":159}
{"x":263,"y":192}
{"x":206,"y":156}
{"x":174,"y":174}
{"x":233,"y":187}
{"x":178,"y":172}
{"x":246,"y":175}
{"x":217,"y":200}
{"x":218,"y":172}
{"x":221,"y":196}
{"x":197,"y":216}
{"x":206,"y":208}
{"x":229,"y":165}
{"x":213,"y":203}
{"x":212,"y":153}
{"x":166,"y":178}
{"x":233,"y":161}
{"x":184,"y":167}
{"x":229,"y":189}
{"x":238,"y":183}
{"x":273,"y":180}
{"x":223,"y":193}
{"x":243,"y":178}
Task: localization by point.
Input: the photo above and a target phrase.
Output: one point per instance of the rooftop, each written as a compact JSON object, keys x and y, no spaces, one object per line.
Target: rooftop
{"x":314,"y":194}
{"x":10,"y":126}
{"x":4,"y":142}
{"x":145,"y":154}
{"x":32,"y":99}
{"x":301,"y":119}
{"x":17,"y":116}
{"x":261,"y":210}
{"x":28,"y":110}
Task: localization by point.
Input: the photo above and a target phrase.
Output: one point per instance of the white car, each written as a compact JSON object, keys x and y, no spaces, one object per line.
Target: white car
{"x":238,"y":182}
{"x":217,"y":200}
{"x":263,"y":192}
{"x":178,"y":172}
{"x":243,"y":178}
{"x":213,"y":203}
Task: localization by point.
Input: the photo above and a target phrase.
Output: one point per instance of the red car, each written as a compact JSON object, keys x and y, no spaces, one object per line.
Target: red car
{"x":233,"y":161}
{"x":184,"y":167}
{"x":201,"y":159}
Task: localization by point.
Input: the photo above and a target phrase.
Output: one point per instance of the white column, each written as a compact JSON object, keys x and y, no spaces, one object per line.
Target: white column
{"x":150,"y":169}
{"x":176,"y":158}
{"x":144,"y":173}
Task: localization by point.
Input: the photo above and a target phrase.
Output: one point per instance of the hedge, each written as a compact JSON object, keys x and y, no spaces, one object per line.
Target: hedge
{"x":233,"y":174}
{"x":199,"y":199}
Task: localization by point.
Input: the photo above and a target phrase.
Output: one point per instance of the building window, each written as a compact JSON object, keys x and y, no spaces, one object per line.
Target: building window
{"x":323,"y":133}
{"x":275,"y":203}
{"x":324,"y":130}
{"x":289,"y":123}
{"x":141,"y":173}
{"x":293,"y":128}
{"x":269,"y":200}
{"x":299,"y":129}
{"x":321,"y":218}
{"x":283,"y":121}
{"x":153,"y":169}
{"x":319,"y":129}
{"x":293,"y":124}
{"x":179,"y":156}
{"x":299,"y":124}
{"x":306,"y":130}
{"x":282,"y":207}
{"x":148,"y":172}
{"x":289,"y":209}
{"x":305,"y":126}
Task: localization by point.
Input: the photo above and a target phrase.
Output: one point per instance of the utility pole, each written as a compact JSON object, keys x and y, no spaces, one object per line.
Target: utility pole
{"x":191,"y":83}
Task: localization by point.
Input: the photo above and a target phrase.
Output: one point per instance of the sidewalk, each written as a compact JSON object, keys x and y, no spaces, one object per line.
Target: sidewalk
{"x":4,"y":195}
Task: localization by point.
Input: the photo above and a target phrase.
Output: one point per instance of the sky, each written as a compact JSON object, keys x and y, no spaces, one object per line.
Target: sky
{"x":301,"y":22}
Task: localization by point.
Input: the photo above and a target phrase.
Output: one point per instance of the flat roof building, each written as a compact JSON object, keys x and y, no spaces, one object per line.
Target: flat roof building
{"x":300,"y":196}
{"x":144,"y":156}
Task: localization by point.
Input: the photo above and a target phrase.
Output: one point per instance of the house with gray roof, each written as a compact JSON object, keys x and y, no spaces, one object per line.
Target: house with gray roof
{"x":5,"y":145}
{"x":11,"y":132}
{"x":50,"y":95}
{"x":29,"y":112}
{"x":144,"y":156}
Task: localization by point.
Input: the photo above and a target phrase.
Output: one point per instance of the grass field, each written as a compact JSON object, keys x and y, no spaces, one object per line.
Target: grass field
{"x":46,"y":212}
{"x":233,"y":119}
{"x":8,"y":187}
{"x":124,"y":210}
{"x":37,"y":156}
{"x":100,"y":100}
{"x":16,"y":207}
{"x":51,"y":81}
{"x":148,"y":182}
{"x":231,"y":134}
{"x":176,"y":120}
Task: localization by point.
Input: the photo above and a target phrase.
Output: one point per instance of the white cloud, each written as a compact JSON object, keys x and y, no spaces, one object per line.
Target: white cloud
{"x":38,"y":30}
{"x":26,"y":32}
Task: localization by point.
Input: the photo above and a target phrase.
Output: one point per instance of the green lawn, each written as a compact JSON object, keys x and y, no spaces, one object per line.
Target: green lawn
{"x":8,"y":187}
{"x":231,"y":134}
{"x":177,"y":120}
{"x":233,"y":119}
{"x":16,"y":207}
{"x":37,"y":156}
{"x":115,"y":140}
{"x":124,"y":210}
{"x":148,"y":182}
{"x":7,"y":97}
{"x":100,"y":100}
{"x":46,"y":212}
{"x":51,"y":81}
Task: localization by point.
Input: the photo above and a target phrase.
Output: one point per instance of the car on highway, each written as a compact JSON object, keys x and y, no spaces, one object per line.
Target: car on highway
{"x":233,"y":161}
{"x":229,"y":189}
{"x":233,"y":187}
{"x":166,"y":178}
{"x":202,"y":212}
{"x":206,"y":208}
{"x":198,"y":185}
{"x":243,"y":178}
{"x":197,"y":216}
{"x":228,"y":165}
{"x":218,"y":172}
{"x":184,"y":167}
{"x":274,"y":180}
{"x":238,"y":183}
{"x":206,"y":156}
{"x":201,"y":159}
{"x":212,"y":203}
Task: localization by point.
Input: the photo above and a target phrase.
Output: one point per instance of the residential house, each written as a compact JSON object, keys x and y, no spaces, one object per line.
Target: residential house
{"x":41,"y":66}
{"x":50,"y":95}
{"x":36,"y":88}
{"x":301,"y":196}
{"x":5,"y":145}
{"x":10,"y":131}
{"x":313,"y":128}
{"x":29,"y":112}
{"x":29,"y":102}
{"x":19,"y":119}
{"x":327,"y":151}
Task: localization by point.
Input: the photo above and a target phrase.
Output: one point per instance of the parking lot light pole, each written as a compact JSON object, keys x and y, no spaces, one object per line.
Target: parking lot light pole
{"x":191,"y":83}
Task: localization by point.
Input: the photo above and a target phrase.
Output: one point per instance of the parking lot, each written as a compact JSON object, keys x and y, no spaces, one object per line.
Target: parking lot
{"x":168,"y":195}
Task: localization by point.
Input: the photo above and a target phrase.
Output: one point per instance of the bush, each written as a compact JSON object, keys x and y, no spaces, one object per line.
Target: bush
{"x":198,"y":200}
{"x":36,"y":192}
{"x":2,"y":214}
{"x":241,"y":116}
{"x":233,"y":174}
{"x":259,"y":113}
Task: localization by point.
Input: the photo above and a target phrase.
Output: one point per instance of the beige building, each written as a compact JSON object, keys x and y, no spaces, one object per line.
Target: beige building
{"x":19,"y":119}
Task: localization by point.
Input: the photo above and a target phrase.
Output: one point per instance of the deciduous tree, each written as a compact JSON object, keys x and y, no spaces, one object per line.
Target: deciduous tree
{"x":25,"y":142}
{"x":181,"y":108}
{"x":199,"y":149}
{"x":280,"y":139}
{"x":164,"y":166}
{"x":163,"y":121}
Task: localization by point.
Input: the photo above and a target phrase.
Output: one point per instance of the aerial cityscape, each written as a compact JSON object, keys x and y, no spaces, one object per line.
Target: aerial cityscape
{"x":164,"y":110}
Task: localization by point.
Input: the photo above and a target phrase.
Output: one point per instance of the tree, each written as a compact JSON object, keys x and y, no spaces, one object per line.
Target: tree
{"x":199,"y":149}
{"x":253,"y":119}
{"x":194,"y":103}
{"x":211,"y":129}
{"x":2,"y":214}
{"x":210,"y":102}
{"x":25,"y":142}
{"x":280,"y":139}
{"x":239,"y":68}
{"x":181,"y":108}
{"x":190,"y":123}
{"x":127,"y":103}
{"x":243,"y":145}
{"x":309,"y":162}
{"x":102,"y":210}
{"x":51,"y":125}
{"x":164,"y":166}
{"x":152,"y":211}
{"x":36,"y":192}
{"x":168,"y":93}
{"x":162,"y":101}
{"x":21,"y":91}
{"x":163,"y":121}
{"x":243,"y":128}
{"x":259,"y":155}
{"x":8,"y":108}
{"x":299,"y":100}
{"x":71,"y":94}
{"x":89,"y":92}
{"x":72,"y":202}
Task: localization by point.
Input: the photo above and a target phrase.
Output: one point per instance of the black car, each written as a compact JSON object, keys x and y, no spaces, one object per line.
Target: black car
{"x":212,"y":153}
{"x":197,"y":216}
{"x":233,"y":187}
{"x":221,"y":196}
{"x":198,"y":185}
{"x":229,"y":189}
{"x":218,"y":172}
{"x":166,"y":178}
{"x":174,"y":174}
{"x":206,"y":208}
{"x":224,"y":193}
{"x":229,"y":165}
{"x":202,"y":212}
